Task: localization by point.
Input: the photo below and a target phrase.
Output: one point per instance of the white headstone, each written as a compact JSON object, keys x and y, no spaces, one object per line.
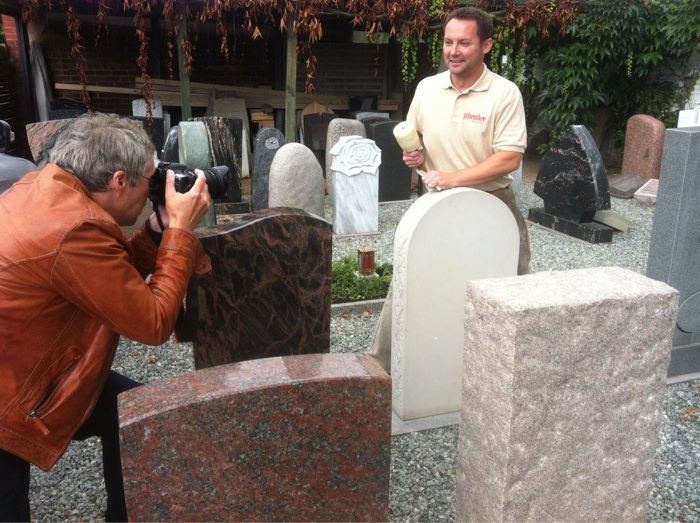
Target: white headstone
{"x":564,"y":380}
{"x":296,"y":180}
{"x":355,"y":185}
{"x":444,"y":240}
{"x":139,"y":108}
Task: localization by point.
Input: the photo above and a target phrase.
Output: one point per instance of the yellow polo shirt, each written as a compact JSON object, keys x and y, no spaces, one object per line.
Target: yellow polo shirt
{"x":462,"y":129}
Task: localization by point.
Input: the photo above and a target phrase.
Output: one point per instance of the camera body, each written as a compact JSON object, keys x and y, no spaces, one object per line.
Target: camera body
{"x":217,"y":184}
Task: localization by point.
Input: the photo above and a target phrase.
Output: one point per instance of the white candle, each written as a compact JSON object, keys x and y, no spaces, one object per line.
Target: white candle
{"x":405,"y":133}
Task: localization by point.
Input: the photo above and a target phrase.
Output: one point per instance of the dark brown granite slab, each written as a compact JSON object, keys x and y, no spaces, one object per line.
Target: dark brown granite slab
{"x":625,"y":185}
{"x":269,"y":291}
{"x":300,"y":438}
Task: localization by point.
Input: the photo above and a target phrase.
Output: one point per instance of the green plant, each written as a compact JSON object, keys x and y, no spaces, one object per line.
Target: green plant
{"x":630,"y":56}
{"x":348,"y":285}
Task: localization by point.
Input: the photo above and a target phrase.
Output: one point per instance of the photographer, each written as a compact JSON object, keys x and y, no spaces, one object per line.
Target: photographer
{"x":71,"y":284}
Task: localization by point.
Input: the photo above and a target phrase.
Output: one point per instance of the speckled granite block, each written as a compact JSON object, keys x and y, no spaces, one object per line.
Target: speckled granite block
{"x":644,"y":146}
{"x":269,"y":290}
{"x":563,"y":387}
{"x":301,"y":438}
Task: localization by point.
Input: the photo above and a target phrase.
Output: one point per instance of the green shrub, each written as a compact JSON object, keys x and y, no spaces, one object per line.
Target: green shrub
{"x":348,"y":285}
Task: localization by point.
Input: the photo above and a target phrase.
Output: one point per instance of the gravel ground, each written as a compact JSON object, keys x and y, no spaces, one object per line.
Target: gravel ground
{"x":422,"y":463}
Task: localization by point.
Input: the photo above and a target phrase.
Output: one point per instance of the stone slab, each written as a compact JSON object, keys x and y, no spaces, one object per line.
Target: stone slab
{"x":572,"y":180}
{"x":225,"y":137}
{"x":268,"y":293}
{"x":644,"y":146}
{"x":267,"y":142}
{"x":435,"y":254}
{"x":646,"y":194}
{"x":625,"y":185}
{"x":303,"y":438}
{"x":674,"y":251}
{"x":564,"y":380}
{"x":590,"y":232}
{"x":296,"y":180}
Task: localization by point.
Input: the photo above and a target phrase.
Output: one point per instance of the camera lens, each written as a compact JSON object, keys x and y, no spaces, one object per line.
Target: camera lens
{"x":217,"y":184}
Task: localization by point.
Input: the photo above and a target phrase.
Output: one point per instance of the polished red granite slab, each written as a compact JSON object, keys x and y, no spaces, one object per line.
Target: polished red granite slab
{"x":297,"y":438}
{"x":269,"y":291}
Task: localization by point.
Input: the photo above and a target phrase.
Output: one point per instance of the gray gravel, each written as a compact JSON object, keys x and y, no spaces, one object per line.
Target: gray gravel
{"x":423,"y":463}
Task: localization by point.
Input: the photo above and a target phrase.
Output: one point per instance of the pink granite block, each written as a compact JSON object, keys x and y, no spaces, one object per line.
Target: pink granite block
{"x":646,"y":195}
{"x":644,"y":146}
{"x":295,"y":438}
{"x":43,"y":135}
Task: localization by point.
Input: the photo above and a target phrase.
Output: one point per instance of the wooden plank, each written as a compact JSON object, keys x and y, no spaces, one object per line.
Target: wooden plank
{"x":168,"y":98}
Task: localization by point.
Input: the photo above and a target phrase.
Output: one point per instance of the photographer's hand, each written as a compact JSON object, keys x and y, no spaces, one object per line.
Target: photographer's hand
{"x":186,"y":210}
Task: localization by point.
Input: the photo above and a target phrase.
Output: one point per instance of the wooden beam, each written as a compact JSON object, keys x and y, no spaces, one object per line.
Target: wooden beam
{"x":290,"y":100}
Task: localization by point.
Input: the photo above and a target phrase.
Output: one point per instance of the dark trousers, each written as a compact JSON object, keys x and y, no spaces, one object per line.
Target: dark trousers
{"x":103,"y":422}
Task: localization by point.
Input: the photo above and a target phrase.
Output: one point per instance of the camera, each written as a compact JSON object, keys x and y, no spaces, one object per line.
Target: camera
{"x":217,"y":184}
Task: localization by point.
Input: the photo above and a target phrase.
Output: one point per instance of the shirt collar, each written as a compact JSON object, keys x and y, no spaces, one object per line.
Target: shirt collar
{"x":482,"y":84}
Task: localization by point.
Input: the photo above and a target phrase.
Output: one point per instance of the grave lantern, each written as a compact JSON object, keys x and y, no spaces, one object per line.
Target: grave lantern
{"x":365,"y":260}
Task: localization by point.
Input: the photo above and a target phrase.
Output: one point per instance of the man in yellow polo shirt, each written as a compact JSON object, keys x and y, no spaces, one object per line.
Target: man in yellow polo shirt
{"x":471,"y":123}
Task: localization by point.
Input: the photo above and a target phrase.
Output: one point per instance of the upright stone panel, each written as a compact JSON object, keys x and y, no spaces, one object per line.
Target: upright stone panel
{"x":304,"y":438}
{"x":269,"y":290}
{"x":394,"y":175}
{"x":296,"y":180}
{"x":442,"y":242}
{"x":674,"y":251}
{"x":644,"y":146}
{"x":267,"y":142}
{"x":337,"y":128}
{"x":564,"y":378}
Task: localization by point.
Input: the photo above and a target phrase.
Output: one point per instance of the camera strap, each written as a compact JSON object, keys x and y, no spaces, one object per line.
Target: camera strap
{"x":156,"y":210}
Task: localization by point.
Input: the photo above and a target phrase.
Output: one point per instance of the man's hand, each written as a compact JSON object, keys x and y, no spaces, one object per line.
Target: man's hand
{"x":186,"y":210}
{"x":414,"y":159}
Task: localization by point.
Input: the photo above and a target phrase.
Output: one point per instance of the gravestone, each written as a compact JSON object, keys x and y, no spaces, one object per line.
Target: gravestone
{"x":316,"y":133}
{"x":170,"y":147}
{"x":42,"y":137}
{"x":394,"y":174}
{"x":562,"y":398}
{"x":689,"y":117}
{"x":435,"y":254}
{"x":303,"y":438}
{"x":235,"y":108}
{"x":646,"y":194}
{"x":336,"y":128}
{"x":225,"y":136}
{"x":296,"y":180}
{"x":674,"y":252}
{"x":641,"y":160}
{"x":267,"y":142}
{"x":355,"y":185}
{"x":154,"y":128}
{"x":269,"y":290}
{"x":573,"y":184}
{"x":195,"y":152}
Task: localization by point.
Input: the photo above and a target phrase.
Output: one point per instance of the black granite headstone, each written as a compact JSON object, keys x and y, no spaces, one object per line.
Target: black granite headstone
{"x":316,"y":133}
{"x":573,"y":184}
{"x":170,"y":147}
{"x":267,"y":142}
{"x":394,"y":175}
{"x":225,"y":141}
{"x":154,"y":128}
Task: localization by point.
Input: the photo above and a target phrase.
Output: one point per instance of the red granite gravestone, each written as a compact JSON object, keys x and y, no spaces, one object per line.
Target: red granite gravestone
{"x":269,"y":290}
{"x":641,"y":161}
{"x":301,"y":438}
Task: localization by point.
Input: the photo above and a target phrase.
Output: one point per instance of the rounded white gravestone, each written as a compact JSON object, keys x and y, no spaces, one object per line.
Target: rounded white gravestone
{"x":444,"y":240}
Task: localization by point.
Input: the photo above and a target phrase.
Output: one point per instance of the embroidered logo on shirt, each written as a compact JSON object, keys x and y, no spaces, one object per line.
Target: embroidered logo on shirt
{"x":475,"y":117}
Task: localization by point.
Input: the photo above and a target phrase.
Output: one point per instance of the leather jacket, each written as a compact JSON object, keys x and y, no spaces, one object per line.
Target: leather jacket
{"x":70,"y":284}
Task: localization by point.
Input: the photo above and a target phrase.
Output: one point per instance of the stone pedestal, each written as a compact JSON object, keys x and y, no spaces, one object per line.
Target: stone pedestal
{"x":564,"y":377}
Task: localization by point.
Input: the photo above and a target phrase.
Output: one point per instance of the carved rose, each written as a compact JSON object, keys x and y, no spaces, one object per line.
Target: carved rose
{"x":353,"y":155}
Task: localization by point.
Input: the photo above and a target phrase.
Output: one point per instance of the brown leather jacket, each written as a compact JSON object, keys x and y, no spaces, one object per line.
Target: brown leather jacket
{"x":70,"y":284}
